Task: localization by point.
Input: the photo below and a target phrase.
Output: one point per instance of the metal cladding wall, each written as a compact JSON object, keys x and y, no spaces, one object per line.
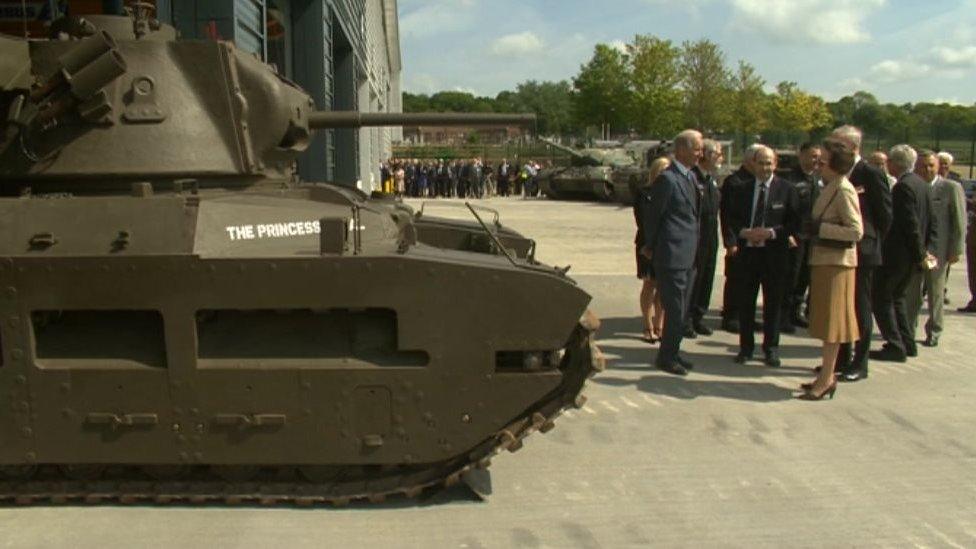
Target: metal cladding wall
{"x":243,"y":21}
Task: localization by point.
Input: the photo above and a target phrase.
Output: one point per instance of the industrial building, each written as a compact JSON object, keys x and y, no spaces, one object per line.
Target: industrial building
{"x":345,"y":53}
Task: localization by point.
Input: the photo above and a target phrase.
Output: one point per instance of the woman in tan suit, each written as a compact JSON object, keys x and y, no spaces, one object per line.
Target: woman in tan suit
{"x":652,"y":313}
{"x":836,"y":228}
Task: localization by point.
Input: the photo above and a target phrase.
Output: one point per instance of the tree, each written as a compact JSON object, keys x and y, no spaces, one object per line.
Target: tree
{"x":794,"y":111}
{"x":551,"y":102}
{"x":415,"y":103}
{"x":458,"y":101}
{"x":602,"y":88}
{"x":657,"y":103}
{"x":748,"y":113}
{"x":707,"y":85}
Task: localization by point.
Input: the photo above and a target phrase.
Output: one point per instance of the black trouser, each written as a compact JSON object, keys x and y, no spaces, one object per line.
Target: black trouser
{"x":798,"y":281}
{"x":766,"y":268}
{"x":890,"y":309}
{"x":701,"y":291}
{"x":731,"y":294}
{"x":674,"y":288}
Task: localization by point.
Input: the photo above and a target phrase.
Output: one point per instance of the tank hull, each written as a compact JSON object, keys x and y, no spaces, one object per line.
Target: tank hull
{"x":197,"y":347}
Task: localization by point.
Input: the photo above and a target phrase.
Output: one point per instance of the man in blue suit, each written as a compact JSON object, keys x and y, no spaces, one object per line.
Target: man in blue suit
{"x":669,"y":219}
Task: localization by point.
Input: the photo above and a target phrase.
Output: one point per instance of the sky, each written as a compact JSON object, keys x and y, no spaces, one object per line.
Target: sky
{"x":900,"y":50}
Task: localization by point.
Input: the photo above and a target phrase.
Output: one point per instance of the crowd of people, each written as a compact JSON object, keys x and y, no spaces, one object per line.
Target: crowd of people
{"x":471,"y":178}
{"x":834,"y":245}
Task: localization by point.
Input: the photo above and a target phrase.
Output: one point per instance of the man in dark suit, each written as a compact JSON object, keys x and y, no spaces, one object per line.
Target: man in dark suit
{"x":669,"y":221}
{"x":906,"y":255}
{"x":701,"y":294}
{"x":764,"y":221}
{"x":874,"y":196}
{"x":730,"y":302}
{"x":807,"y":183}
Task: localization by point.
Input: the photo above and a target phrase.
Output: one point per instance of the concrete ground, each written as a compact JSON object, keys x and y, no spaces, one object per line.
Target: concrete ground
{"x":724,"y":457}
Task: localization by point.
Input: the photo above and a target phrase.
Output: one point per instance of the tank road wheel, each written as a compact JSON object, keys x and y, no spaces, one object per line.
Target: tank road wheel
{"x":82,"y":471}
{"x":17,"y":472}
{"x":235,"y":473}
{"x":320,"y":474}
{"x":166,"y":472}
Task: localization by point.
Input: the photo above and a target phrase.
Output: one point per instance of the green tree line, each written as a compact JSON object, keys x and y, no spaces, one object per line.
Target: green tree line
{"x":653,"y":87}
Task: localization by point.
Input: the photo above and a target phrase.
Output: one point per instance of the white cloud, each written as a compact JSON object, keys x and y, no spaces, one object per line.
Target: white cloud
{"x":521,"y":43}
{"x":428,"y":18}
{"x":810,"y":21}
{"x":963,"y":58}
{"x":891,"y":71}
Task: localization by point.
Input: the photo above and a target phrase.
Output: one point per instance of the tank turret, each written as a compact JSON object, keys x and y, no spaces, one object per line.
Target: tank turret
{"x":115,"y":107}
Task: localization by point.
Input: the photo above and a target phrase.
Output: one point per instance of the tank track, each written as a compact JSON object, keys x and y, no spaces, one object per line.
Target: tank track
{"x":130,"y":485}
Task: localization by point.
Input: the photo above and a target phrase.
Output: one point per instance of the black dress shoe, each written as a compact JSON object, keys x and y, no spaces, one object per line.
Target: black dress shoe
{"x":969,"y":308}
{"x":800,"y":322}
{"x":702,"y":329}
{"x":852,"y":376}
{"x":672,"y":368}
{"x":787,"y":328}
{"x":889,"y":354}
{"x":690,"y":332}
{"x":772,"y":358}
{"x":931,"y":341}
{"x":911,"y":350}
{"x":743,"y":357}
{"x":685,"y":363}
{"x":731,"y":326}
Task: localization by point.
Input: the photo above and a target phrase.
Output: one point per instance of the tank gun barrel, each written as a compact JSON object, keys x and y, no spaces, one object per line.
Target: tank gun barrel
{"x":355,"y":119}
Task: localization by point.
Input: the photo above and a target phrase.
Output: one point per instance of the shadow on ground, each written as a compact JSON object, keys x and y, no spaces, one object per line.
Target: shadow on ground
{"x":717,"y":365}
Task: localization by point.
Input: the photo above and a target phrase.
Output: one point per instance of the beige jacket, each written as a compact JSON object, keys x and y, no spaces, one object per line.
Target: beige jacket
{"x":840,"y":219}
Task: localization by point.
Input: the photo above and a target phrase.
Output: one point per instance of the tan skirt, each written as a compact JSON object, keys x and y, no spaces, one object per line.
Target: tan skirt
{"x":832,"y":315}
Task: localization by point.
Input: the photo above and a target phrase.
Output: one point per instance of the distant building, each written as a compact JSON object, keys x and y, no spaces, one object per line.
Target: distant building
{"x":345,"y":53}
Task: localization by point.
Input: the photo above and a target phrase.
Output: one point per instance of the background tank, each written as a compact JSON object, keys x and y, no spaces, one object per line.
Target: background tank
{"x":588,"y":175}
{"x":627,"y":179}
{"x":177,"y":308}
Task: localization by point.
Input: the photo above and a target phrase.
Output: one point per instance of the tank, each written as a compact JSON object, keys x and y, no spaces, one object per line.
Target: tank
{"x":626,"y":180}
{"x":588,"y":177}
{"x":182,"y":320}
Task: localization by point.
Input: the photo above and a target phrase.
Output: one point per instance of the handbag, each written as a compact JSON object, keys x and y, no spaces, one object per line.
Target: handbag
{"x":830,"y":242}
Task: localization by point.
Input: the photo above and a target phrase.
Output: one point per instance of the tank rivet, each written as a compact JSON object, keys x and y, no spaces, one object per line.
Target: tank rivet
{"x":27,"y":432}
{"x":184,"y":456}
{"x":30,"y":456}
{"x":466,"y":418}
{"x":199,"y":428}
{"x":20,"y":380}
{"x":11,"y":292}
{"x":176,"y":427}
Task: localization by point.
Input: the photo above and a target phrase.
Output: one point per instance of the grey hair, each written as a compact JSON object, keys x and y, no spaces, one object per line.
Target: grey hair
{"x":946,"y":158}
{"x":686,"y":139}
{"x":850,"y":133}
{"x":711,"y":145}
{"x":751,"y":150}
{"x":902,"y":158}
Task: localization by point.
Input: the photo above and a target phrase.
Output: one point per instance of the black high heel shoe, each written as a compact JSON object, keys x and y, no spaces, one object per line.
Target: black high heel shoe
{"x":828,"y":392}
